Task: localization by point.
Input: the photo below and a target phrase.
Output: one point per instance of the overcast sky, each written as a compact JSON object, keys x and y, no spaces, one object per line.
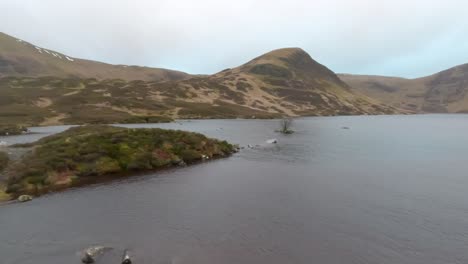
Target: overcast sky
{"x":408,"y":38}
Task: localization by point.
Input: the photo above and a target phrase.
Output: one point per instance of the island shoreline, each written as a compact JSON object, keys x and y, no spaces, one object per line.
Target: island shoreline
{"x":106,"y":179}
{"x":87,"y":155}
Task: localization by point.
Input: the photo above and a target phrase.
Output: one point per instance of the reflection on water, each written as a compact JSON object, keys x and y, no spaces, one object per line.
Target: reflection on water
{"x":391,"y":189}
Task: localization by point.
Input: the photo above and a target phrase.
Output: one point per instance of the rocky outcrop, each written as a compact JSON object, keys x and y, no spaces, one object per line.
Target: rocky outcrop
{"x":25,"y":198}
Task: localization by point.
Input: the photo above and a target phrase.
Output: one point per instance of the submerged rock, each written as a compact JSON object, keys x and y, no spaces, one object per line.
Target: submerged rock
{"x":87,"y":259}
{"x":272,"y":141}
{"x":89,"y":255}
{"x":24,"y":198}
{"x":236,"y":148}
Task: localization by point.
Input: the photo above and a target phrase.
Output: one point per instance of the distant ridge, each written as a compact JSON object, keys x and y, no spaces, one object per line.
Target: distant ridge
{"x":443,"y":92}
{"x":43,"y":87}
{"x":20,"y":58}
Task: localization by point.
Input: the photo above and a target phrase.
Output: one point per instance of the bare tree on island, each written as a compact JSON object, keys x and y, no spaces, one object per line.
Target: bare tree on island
{"x":285,"y":126}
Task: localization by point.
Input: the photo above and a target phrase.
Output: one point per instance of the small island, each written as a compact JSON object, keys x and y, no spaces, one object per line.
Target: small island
{"x":90,"y":154}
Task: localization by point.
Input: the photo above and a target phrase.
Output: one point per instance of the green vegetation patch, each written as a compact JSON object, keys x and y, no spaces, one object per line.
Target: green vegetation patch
{"x":243,"y":86}
{"x":8,"y":130}
{"x":147,"y":119}
{"x":271,"y":70}
{"x":4,"y":159}
{"x":22,"y":114}
{"x":3,"y":195}
{"x":83,"y":153}
{"x":103,"y":115}
{"x":94,"y":115}
{"x":219,"y":109}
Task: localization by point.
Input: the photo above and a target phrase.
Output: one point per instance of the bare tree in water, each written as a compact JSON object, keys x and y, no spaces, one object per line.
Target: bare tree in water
{"x":285,"y":126}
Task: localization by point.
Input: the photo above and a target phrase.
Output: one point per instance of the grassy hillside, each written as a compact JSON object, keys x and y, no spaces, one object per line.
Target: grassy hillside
{"x":285,"y":82}
{"x":443,"y":92}
{"x":49,"y":101}
{"x":86,"y":154}
{"x":20,"y":58}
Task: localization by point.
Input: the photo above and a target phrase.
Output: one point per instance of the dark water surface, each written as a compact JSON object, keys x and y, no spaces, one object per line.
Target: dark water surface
{"x":391,"y":189}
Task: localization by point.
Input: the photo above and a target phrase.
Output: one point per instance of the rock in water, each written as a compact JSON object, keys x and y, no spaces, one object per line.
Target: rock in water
{"x":25,"y":198}
{"x":87,"y":259}
{"x":90,"y":254}
{"x":127,"y":258}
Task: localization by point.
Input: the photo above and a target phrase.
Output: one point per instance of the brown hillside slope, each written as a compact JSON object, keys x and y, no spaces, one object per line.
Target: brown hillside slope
{"x":443,"y":92}
{"x":20,"y":58}
{"x":285,"y":82}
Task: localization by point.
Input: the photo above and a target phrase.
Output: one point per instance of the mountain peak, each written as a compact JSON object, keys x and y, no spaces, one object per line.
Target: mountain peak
{"x":285,"y":53}
{"x":290,"y":63}
{"x":283,"y":56}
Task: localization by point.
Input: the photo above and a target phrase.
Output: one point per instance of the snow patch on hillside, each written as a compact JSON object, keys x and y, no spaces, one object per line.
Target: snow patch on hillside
{"x":42,"y":51}
{"x":56,"y":55}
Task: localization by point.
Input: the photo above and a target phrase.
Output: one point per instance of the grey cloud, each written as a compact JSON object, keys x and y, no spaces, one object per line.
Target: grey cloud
{"x":406,"y":38}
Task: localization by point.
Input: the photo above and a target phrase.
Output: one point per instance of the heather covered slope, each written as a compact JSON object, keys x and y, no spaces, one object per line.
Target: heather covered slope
{"x":20,"y":58}
{"x":443,"y":92}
